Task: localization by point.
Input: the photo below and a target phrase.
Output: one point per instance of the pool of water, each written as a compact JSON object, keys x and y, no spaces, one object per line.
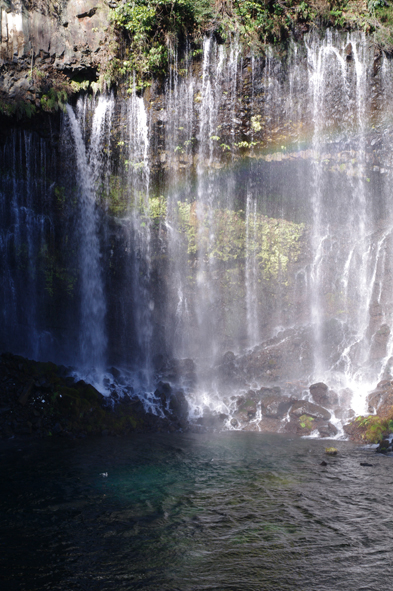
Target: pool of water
{"x":232,"y":511}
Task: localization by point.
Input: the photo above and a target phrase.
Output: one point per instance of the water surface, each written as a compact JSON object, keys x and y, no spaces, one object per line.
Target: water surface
{"x":232,"y":511}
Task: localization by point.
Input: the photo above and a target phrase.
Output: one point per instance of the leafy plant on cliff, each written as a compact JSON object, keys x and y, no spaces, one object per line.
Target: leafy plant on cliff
{"x":149,"y":29}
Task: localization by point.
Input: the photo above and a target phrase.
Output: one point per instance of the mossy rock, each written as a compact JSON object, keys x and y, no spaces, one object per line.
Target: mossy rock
{"x":331,"y":451}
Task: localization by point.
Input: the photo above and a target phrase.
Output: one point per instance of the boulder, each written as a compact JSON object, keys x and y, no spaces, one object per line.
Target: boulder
{"x":275,"y":406}
{"x":344,"y":414}
{"x":322,"y":395}
{"x":384,"y":447}
{"x":178,"y":404}
{"x":327,"y":430}
{"x":302,"y":407}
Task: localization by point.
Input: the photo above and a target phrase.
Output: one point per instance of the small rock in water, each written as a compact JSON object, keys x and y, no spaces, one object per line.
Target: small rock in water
{"x":323,"y":463}
{"x":331,"y":451}
{"x":366,"y":464}
{"x":384,"y":447}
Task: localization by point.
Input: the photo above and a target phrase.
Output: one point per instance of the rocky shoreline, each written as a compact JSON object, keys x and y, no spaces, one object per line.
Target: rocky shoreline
{"x":42,"y":399}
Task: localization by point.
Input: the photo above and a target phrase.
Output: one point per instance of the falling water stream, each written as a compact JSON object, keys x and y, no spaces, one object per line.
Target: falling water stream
{"x":228,"y":232}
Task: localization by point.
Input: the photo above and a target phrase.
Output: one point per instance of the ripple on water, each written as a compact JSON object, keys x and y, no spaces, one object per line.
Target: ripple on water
{"x":235,"y":511}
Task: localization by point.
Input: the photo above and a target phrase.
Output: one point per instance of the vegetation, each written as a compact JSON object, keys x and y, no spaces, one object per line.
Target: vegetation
{"x":149,"y":29}
{"x":306,"y":422}
{"x":373,"y":427}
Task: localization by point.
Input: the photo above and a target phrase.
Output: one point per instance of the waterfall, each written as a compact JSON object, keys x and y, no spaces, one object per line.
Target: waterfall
{"x":93,"y":338}
{"x":26,"y":231}
{"x":227,"y":230}
{"x":138,"y":179}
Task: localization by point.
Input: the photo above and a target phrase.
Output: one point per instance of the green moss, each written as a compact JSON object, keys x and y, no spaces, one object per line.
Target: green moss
{"x":306,"y":422}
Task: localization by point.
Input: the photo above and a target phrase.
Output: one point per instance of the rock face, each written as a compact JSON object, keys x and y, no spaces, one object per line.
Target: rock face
{"x":381,"y":400}
{"x":70,"y":35}
{"x":40,"y":399}
{"x":290,"y":353}
{"x":59,"y":40}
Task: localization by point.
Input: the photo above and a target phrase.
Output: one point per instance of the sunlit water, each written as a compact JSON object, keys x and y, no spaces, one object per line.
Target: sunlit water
{"x":234,"y":511}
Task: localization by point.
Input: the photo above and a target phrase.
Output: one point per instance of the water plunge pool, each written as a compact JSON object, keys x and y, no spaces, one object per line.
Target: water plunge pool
{"x":229,"y":511}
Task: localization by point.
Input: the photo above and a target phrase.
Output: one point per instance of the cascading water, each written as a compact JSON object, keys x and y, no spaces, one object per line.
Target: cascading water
{"x":139,"y":230}
{"x":230,"y":229}
{"x":25,"y":237}
{"x":93,"y":304}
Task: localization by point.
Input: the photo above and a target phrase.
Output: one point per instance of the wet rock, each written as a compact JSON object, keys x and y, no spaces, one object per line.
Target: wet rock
{"x":275,"y":406}
{"x":266,"y":391}
{"x":228,"y":357}
{"x":164,"y":393}
{"x":381,"y":400}
{"x":247,"y":406}
{"x":178,"y":404}
{"x":331,"y":451}
{"x":328,"y":430}
{"x":289,"y":353}
{"x":114,"y":372}
{"x":323,"y":396}
{"x":384,"y":447}
{"x":379,"y":342}
{"x":344,"y":414}
{"x":227,"y":370}
{"x":23,"y":398}
{"x":303,"y":407}
{"x":177,"y":371}
{"x":74,"y":407}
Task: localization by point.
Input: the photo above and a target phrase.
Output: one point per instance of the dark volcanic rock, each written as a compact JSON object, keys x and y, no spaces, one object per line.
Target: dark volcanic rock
{"x":275,"y":406}
{"x":289,"y":353}
{"x":381,"y":399}
{"x":247,"y":406}
{"x":327,"y":430}
{"x":384,"y":447}
{"x":302,"y":407}
{"x":323,"y":396}
{"x":178,"y":405}
{"x":38,"y":399}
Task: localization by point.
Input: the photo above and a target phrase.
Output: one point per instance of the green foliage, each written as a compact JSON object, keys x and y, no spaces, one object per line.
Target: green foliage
{"x":372,"y":5}
{"x":373,"y":427}
{"x":55,"y":99}
{"x":306,"y":422}
{"x":18,"y":109}
{"x":150,"y":27}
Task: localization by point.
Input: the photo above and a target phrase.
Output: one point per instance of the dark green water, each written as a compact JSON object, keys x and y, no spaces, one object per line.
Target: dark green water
{"x":234,"y":511}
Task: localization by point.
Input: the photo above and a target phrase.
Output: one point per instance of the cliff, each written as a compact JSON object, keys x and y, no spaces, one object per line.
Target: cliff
{"x":50,"y":49}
